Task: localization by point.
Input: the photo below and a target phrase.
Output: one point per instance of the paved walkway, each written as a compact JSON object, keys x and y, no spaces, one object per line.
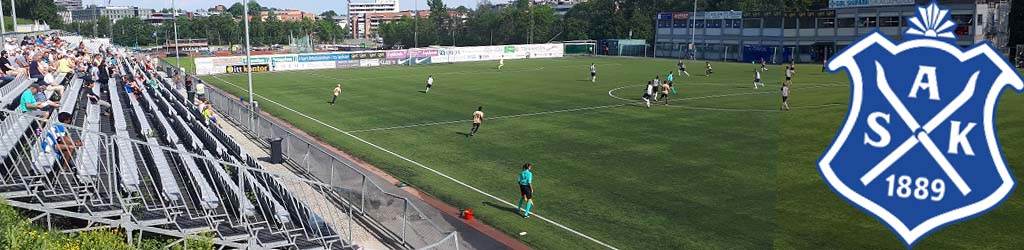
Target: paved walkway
{"x":329,"y":212}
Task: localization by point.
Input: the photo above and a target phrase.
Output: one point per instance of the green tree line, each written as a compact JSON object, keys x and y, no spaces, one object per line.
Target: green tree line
{"x":224,"y":29}
{"x":519,"y":22}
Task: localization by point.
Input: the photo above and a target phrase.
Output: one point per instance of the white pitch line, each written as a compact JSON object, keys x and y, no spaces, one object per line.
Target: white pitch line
{"x":492,"y":118}
{"x":425,"y":167}
{"x":443,"y":73}
{"x":610,"y":94}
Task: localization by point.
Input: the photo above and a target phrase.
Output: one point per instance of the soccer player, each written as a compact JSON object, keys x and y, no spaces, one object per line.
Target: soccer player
{"x":682,"y":68}
{"x":671,"y":81}
{"x":478,"y":117}
{"x":790,"y":70}
{"x":757,"y":79}
{"x":707,"y":72}
{"x":526,"y":189}
{"x":764,"y":66}
{"x":664,"y":92}
{"x":654,"y":87}
{"x":648,"y":91}
{"x":501,"y":62}
{"x":593,"y":72}
{"x":823,"y":64}
{"x":337,"y":91}
{"x":430,"y":83}
{"x":785,"y":96}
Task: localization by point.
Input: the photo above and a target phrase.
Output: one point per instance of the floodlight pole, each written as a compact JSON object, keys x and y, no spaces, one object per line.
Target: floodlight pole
{"x":14,"y":16}
{"x":3,"y":26}
{"x":693,"y":32}
{"x":248,"y":61}
{"x":177,"y":52}
{"x":416,"y":24}
{"x":252,"y":108}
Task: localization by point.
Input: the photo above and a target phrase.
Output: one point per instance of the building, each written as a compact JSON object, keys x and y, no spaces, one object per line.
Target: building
{"x":377,"y":6}
{"x":811,"y":36}
{"x":560,"y":6}
{"x":158,"y":18}
{"x":93,"y":13}
{"x":287,"y":15}
{"x":69,"y":4}
{"x":65,"y":16}
{"x":220,"y":8}
{"x":366,"y":25}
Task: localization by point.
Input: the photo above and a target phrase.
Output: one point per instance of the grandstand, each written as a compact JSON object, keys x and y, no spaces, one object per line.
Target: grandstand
{"x":154,"y":166}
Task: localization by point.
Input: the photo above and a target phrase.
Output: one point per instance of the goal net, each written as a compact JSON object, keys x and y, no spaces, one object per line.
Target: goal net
{"x":580,"y":48}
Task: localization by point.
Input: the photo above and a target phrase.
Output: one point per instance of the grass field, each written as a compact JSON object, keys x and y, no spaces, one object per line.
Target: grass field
{"x":721,"y":168}
{"x":188,"y":63}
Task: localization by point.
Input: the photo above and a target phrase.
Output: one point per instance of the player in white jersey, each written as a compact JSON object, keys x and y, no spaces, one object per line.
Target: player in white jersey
{"x":430,"y":83}
{"x":785,"y":96}
{"x":764,"y":66}
{"x":708,"y":71}
{"x":593,"y":72}
{"x":654,"y":87}
{"x":757,"y":79}
{"x":790,"y":70}
{"x":648,"y":92}
{"x":682,"y":68}
{"x":501,"y":62}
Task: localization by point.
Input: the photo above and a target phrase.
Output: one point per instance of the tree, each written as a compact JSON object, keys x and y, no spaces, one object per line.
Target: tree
{"x":103,"y":27}
{"x":44,"y":11}
{"x":329,"y":14}
{"x":236,"y":9}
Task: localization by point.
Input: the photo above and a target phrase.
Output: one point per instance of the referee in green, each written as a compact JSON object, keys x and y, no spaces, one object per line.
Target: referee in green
{"x":526,"y":188}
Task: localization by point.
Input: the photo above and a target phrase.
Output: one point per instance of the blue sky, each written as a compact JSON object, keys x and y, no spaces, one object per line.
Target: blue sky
{"x":316,"y":6}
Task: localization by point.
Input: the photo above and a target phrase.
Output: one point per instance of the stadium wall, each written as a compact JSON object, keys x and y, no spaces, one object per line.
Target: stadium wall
{"x":341,"y":60}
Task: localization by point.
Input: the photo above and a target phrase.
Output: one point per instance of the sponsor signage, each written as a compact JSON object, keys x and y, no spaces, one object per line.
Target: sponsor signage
{"x":866,"y":3}
{"x":664,"y":16}
{"x":282,"y":59}
{"x":723,"y":15}
{"x":257,"y":60}
{"x":397,"y":54}
{"x":790,"y":14}
{"x":510,"y":49}
{"x":680,"y":15}
{"x":425,"y":53}
{"x":231,"y":69}
{"x":324,"y":57}
{"x":368,"y":55}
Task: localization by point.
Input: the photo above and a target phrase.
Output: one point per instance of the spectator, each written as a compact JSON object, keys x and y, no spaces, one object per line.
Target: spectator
{"x":58,"y":142}
{"x":30,"y":105}
{"x":52,"y":84}
{"x":64,"y":64}
{"x":35,"y":68}
{"x":6,"y":67}
{"x":95,"y":99}
{"x":201,"y":90}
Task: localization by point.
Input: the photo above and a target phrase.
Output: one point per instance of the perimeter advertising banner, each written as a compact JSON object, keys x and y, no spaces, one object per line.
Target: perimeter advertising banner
{"x":833,"y":4}
{"x":329,"y":60}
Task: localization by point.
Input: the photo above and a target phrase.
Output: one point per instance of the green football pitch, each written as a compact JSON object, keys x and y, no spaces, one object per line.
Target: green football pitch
{"x":720,"y":167}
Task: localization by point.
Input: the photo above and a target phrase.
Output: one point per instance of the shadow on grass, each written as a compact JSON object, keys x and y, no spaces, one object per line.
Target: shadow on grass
{"x":501,"y":207}
{"x":463,"y":134}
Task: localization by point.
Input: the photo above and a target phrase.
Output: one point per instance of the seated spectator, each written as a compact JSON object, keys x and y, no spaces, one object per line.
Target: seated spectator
{"x":52,"y":84}
{"x":95,"y":99}
{"x":29,"y":104}
{"x":208,"y":115}
{"x":36,"y":68}
{"x":6,"y":67}
{"x":57,"y":142}
{"x":64,"y":64}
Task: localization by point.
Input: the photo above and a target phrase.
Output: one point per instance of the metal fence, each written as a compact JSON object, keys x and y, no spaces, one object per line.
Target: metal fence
{"x":398,"y":215}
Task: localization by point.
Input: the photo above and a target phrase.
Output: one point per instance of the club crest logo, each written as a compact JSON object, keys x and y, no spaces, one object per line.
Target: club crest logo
{"x":919,"y":148}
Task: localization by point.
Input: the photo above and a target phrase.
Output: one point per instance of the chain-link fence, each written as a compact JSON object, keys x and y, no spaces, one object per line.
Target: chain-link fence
{"x":401,"y":219}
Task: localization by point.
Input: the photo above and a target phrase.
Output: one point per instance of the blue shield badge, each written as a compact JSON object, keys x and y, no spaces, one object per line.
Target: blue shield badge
{"x":918,"y":148}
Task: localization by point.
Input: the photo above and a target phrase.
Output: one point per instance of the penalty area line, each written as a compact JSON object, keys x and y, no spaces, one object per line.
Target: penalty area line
{"x":439,"y":173}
